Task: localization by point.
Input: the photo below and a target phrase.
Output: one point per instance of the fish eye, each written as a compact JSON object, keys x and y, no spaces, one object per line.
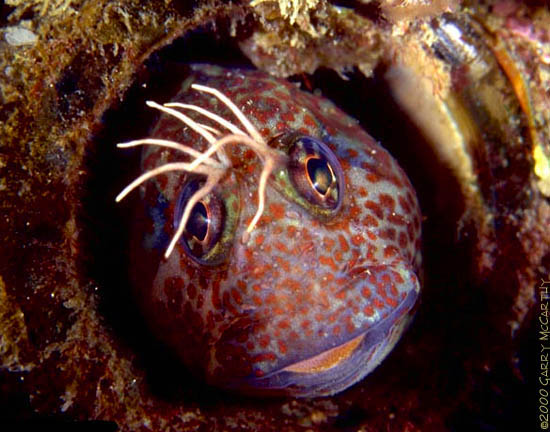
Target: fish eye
{"x":205,"y":225}
{"x":315,"y":172}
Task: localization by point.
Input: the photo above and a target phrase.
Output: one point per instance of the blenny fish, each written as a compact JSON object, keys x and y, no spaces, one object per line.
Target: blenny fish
{"x":276,"y":248}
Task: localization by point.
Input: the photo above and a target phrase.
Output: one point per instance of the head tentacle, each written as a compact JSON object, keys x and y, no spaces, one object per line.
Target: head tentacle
{"x":204,"y":162}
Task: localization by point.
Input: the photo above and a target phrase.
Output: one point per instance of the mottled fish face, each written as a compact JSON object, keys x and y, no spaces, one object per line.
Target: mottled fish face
{"x":316,"y":295}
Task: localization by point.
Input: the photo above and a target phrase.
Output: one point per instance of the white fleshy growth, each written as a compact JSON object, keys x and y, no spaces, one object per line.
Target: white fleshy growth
{"x":212,"y":163}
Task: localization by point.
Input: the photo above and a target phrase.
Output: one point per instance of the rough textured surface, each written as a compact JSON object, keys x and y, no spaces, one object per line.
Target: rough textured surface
{"x":64,"y":354}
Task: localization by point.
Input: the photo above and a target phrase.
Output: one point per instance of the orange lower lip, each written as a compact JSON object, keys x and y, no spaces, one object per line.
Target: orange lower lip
{"x":327,"y":359}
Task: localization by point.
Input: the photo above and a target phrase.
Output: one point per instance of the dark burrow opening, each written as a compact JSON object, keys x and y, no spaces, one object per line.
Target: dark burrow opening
{"x":437,"y":336}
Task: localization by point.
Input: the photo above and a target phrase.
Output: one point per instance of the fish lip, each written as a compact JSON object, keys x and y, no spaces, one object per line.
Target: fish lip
{"x":327,"y":359}
{"x":342,"y":374}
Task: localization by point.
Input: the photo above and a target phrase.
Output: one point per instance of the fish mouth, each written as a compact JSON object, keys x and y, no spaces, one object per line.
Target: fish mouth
{"x":337,"y":368}
{"x":327,"y":359}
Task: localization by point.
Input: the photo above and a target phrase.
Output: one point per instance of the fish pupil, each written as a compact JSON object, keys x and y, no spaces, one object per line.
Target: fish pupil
{"x":320,"y":174}
{"x":204,"y":225}
{"x":198,"y":223}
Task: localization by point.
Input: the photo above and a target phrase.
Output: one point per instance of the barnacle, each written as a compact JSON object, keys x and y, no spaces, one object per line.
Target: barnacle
{"x":60,"y":347}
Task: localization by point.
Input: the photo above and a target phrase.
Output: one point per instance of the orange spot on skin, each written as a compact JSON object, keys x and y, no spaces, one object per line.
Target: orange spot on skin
{"x":342,"y":225}
{"x":377,"y":303}
{"x":260,"y":271}
{"x":277,"y":210}
{"x":264,"y":220}
{"x":354,"y":257}
{"x":264,"y":341}
{"x":249,"y":255}
{"x":341,"y":282}
{"x":260,"y":239}
{"x":249,"y":154}
{"x":308,"y":121}
{"x":270,"y":299}
{"x":328,"y":243}
{"x":372,"y":178}
{"x":345,"y":165}
{"x":354,"y":212}
{"x":328,"y":261}
{"x":241,"y":285}
{"x":236,"y":296}
{"x":323,"y":299}
{"x":284,"y":264}
{"x":344,"y":246}
{"x":398,"y":278}
{"x":410,"y":199}
{"x":390,"y":251}
{"x":365,"y":292}
{"x":292,"y":285}
{"x":278,"y":310}
{"x":306,"y":247}
{"x":404,"y":204}
{"x":341,"y":295}
{"x":403,"y":240}
{"x":350,"y":327}
{"x":397,"y":219}
{"x":388,"y":234}
{"x":396,"y":181}
{"x":387,"y":201}
{"x":282,"y":346}
{"x":368,"y":310}
{"x":227,"y":303}
{"x":357,"y":240}
{"x":283,"y":324}
{"x":375,"y":208}
{"x":306,"y":236}
{"x":288,"y":117}
{"x":263,"y":357}
{"x":391,"y":302}
{"x":352,"y":153}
